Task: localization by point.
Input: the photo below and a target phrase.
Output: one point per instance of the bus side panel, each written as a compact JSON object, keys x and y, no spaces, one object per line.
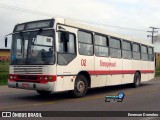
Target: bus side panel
{"x":127,"y":71}
{"x":136,"y":67}
{"x":94,"y":80}
{"x":67,"y":72}
{"x":101,"y":70}
{"x":103,"y":80}
{"x":144,"y":75}
{"x":51,"y":71}
{"x":59,"y":84}
{"x":68,"y":83}
{"x":115,"y":77}
{"x":151,"y":66}
{"x":64,"y":82}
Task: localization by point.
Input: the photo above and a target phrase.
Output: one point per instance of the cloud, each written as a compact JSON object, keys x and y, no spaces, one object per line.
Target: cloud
{"x":139,"y":14}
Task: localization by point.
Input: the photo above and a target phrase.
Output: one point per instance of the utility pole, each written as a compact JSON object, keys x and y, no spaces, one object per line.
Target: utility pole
{"x":152,"y":33}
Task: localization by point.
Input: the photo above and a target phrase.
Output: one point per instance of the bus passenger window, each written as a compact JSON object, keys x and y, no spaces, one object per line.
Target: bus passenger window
{"x":101,"y":46}
{"x":144,"y":53}
{"x":126,"y":50}
{"x":136,"y":51}
{"x":150,"y":54}
{"x":115,"y":47}
{"x":85,"y":43}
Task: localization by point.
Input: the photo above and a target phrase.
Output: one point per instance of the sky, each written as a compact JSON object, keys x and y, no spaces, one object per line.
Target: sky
{"x":136,"y":14}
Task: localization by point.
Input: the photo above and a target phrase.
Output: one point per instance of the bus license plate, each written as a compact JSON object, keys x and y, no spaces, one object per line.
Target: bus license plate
{"x":24,"y":85}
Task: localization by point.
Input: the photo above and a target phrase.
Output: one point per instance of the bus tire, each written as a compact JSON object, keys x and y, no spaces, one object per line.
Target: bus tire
{"x":80,"y":86}
{"x":137,"y":80}
{"x":44,"y":93}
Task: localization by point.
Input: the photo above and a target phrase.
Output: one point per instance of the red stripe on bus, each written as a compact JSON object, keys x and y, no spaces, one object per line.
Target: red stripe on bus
{"x":112,"y":72}
{"x":147,"y":71}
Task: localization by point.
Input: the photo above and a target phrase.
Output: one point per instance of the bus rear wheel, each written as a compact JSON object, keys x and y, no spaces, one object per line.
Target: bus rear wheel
{"x":137,"y":80}
{"x":44,"y":93}
{"x":80,"y":86}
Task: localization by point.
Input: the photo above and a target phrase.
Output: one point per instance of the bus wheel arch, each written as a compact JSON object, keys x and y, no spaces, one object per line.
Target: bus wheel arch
{"x":81,"y":84}
{"x":138,"y":73}
{"x":87,"y":75}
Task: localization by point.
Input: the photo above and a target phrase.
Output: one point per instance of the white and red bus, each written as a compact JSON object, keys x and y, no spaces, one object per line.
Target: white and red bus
{"x":64,"y":55}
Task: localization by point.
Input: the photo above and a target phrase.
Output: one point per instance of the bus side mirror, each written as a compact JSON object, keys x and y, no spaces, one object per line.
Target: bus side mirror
{"x":64,"y":37}
{"x":67,"y":36}
{"x":6,"y":41}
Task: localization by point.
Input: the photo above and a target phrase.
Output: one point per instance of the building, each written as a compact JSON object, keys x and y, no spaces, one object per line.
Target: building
{"x":4,"y":54}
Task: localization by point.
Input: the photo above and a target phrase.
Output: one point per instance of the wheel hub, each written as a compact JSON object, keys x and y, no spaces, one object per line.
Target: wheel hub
{"x":80,"y":86}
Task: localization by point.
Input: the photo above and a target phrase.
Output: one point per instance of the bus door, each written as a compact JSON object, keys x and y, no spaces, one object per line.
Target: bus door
{"x":66,"y":58}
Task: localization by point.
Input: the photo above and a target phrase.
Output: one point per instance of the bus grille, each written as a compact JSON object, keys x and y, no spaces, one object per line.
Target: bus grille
{"x":28,"y":70}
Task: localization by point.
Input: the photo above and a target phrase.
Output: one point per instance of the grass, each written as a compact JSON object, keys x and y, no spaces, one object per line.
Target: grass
{"x":4,"y":68}
{"x":3,"y":82}
{"x":157,"y":73}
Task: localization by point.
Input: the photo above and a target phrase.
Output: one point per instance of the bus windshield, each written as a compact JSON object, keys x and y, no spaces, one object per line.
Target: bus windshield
{"x":33,"y":48}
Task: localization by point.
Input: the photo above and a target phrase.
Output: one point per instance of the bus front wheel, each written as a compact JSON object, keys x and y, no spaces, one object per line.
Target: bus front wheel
{"x":80,"y":86}
{"x":137,"y":80}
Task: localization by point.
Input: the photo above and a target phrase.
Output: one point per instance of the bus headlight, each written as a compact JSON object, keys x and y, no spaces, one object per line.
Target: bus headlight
{"x":15,"y":77}
{"x":46,"y":78}
{"x":11,"y":77}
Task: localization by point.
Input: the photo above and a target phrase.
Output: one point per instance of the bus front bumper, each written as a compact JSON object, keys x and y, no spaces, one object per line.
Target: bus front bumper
{"x":49,"y":86}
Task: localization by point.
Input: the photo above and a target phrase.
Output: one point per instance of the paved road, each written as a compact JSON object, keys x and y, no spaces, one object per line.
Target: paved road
{"x":144,"y":98}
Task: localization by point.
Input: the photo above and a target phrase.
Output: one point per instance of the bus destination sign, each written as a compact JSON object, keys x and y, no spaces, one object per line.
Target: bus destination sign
{"x":34,"y":25}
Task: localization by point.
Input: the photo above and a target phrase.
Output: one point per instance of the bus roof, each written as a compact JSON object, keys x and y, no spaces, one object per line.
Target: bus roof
{"x":85,"y":26}
{"x":81,"y":25}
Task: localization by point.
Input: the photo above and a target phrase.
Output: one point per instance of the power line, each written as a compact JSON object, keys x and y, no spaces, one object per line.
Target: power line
{"x":24,"y":10}
{"x":152,"y":33}
{"x":51,"y":15}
